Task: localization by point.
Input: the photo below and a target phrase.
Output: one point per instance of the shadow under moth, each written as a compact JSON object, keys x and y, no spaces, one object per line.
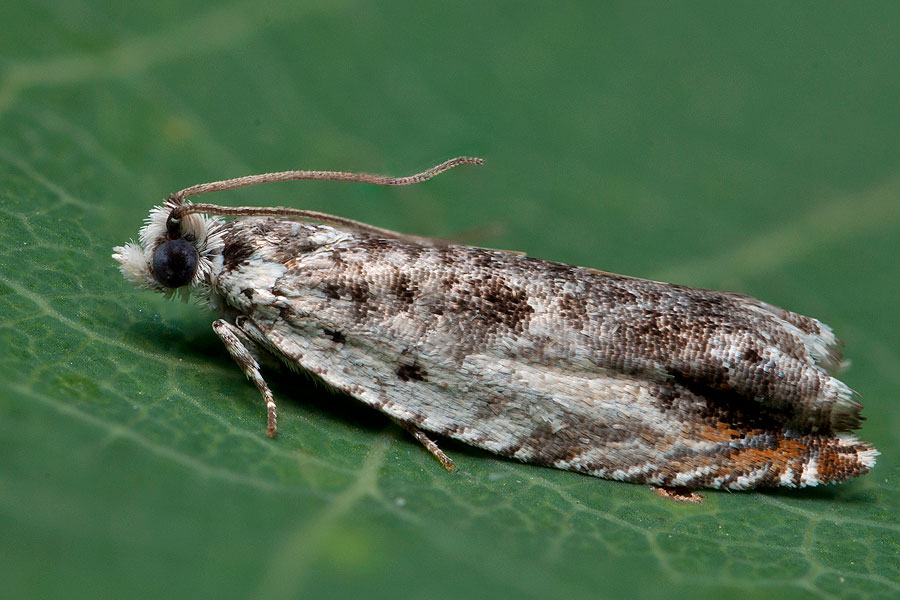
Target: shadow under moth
{"x":547,"y":363}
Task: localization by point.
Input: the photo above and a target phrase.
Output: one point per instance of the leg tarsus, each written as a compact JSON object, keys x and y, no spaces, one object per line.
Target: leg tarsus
{"x":238,"y":345}
{"x":429,"y":444}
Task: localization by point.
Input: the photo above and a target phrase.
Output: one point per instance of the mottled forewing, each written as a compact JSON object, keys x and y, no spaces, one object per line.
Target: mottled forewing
{"x":547,"y":363}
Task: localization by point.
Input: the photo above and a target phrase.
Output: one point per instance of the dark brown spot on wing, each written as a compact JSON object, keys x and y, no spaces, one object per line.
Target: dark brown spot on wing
{"x":237,"y":249}
{"x":412,"y":372}
{"x":751,"y":355}
{"x":336,"y":336}
{"x":332,"y":291}
{"x":404,"y":288}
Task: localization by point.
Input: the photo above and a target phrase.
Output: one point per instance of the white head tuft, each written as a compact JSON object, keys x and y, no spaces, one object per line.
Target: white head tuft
{"x":199,"y":234}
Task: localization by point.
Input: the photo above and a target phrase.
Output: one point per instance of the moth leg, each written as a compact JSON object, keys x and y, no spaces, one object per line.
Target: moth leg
{"x":429,"y":444}
{"x":244,"y":351}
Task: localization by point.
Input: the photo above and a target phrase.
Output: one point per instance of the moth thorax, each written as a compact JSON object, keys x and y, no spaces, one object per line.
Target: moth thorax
{"x":175,"y":262}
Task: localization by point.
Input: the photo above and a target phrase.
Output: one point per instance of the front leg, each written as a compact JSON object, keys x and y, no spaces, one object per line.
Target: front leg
{"x":242,"y":350}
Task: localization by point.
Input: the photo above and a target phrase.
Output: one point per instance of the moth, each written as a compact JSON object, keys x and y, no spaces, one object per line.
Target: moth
{"x":547,"y":363}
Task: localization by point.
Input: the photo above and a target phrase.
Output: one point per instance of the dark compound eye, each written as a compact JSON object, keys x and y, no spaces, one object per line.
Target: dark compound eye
{"x":175,"y":262}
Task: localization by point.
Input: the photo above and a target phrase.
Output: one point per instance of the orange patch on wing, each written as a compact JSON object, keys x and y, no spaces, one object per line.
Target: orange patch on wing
{"x":720,"y":432}
{"x":786,"y":453}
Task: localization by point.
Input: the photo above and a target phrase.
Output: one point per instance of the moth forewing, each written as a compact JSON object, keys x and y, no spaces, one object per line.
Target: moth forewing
{"x":575,"y":368}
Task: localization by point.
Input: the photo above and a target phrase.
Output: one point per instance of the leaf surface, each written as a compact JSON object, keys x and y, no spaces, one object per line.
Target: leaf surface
{"x":750,"y":150}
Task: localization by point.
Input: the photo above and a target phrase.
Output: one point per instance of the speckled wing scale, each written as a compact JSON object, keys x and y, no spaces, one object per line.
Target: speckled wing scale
{"x":612,"y":376}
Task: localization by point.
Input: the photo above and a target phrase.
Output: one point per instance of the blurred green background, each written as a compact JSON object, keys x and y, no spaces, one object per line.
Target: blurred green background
{"x":743,"y":146}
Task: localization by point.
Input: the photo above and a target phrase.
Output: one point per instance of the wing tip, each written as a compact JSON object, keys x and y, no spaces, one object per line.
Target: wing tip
{"x":841,"y":458}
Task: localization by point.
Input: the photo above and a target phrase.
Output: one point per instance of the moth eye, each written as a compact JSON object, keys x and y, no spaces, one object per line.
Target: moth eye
{"x":175,"y":262}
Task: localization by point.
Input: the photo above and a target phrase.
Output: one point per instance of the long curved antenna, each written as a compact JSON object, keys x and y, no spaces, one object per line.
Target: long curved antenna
{"x":239,"y":182}
{"x":182,"y":209}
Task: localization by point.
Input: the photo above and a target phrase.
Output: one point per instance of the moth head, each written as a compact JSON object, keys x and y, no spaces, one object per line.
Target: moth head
{"x":174,"y":253}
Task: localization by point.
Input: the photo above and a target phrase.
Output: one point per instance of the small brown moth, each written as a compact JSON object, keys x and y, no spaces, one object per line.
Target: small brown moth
{"x":548,"y":363}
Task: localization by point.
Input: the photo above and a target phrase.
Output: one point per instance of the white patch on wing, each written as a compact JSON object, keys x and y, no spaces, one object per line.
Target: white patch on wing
{"x":810,"y":474}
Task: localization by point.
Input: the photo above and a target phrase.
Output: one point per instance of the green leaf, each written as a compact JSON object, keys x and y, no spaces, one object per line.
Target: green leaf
{"x":743,"y":148}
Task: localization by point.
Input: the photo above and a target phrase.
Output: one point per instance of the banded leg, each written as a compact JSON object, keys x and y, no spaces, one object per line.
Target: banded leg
{"x":242,"y":350}
{"x":429,"y":444}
